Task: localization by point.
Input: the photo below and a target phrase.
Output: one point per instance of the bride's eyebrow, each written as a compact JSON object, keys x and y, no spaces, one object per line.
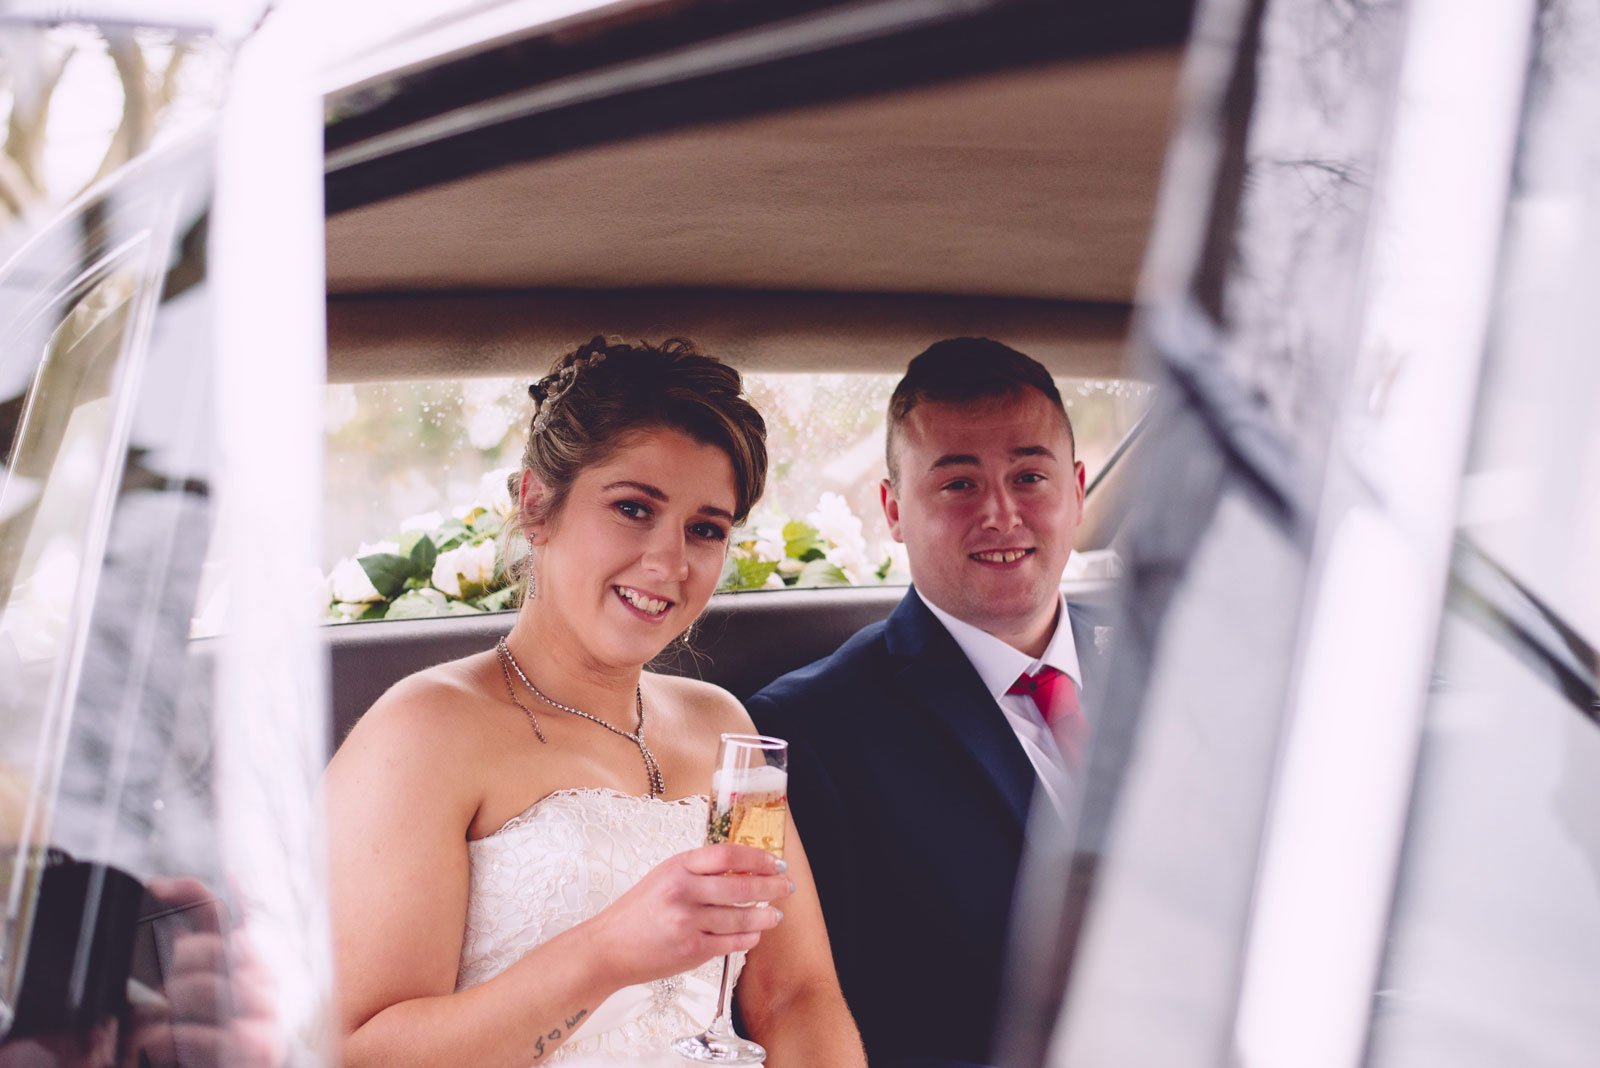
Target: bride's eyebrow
{"x":657,"y":494}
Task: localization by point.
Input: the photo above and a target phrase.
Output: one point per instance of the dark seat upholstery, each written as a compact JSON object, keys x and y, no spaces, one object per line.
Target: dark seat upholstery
{"x":744,"y":641}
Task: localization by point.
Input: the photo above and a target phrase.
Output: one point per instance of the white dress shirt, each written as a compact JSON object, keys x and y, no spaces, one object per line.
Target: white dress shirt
{"x":999,"y":665}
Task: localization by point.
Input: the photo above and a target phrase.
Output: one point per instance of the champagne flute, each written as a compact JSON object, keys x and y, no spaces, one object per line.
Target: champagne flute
{"x":749,"y":807}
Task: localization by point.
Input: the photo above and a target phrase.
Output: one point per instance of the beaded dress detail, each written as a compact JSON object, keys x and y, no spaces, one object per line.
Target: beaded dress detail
{"x":559,"y":863}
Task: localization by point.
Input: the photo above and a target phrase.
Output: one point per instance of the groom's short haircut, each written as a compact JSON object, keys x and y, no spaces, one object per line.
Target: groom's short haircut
{"x":960,"y":370}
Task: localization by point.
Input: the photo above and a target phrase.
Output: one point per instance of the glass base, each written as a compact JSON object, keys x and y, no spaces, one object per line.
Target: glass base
{"x":710,"y":1048}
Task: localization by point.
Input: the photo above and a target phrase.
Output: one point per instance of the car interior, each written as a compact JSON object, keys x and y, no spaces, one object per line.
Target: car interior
{"x":823,"y":188}
{"x":804,"y":212}
{"x":811,"y":187}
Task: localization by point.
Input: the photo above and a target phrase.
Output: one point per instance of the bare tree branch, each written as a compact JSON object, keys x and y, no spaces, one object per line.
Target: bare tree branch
{"x":33,"y":62}
{"x":17,"y":195}
{"x":37,"y":63}
{"x":139,"y":105}
{"x":169,"y":77}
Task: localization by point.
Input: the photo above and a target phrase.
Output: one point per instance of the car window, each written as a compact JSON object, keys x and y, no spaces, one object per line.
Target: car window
{"x":70,"y":372}
{"x":1495,"y":930}
{"x":427,"y":461}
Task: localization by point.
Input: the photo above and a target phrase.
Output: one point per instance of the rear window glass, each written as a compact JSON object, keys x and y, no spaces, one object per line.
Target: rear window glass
{"x":416,"y":486}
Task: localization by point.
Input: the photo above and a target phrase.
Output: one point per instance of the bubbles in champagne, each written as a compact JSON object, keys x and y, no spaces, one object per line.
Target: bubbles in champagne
{"x":750,"y":807}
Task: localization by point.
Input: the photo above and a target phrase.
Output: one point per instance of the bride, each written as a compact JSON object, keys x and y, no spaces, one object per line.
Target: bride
{"x":517,"y":873}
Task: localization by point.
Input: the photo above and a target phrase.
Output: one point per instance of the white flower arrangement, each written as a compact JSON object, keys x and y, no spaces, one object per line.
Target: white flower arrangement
{"x":466,"y":567}
{"x":824,"y":549}
{"x":450,"y":565}
{"x":437,"y":566}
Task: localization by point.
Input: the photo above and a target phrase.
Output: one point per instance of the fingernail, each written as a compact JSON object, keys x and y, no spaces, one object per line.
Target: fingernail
{"x":792,"y":887}
{"x":780,"y":914}
{"x":783,"y":866}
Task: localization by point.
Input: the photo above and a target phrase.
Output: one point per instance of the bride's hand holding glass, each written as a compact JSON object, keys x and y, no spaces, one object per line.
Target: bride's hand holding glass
{"x":690,"y":908}
{"x":749,"y":806}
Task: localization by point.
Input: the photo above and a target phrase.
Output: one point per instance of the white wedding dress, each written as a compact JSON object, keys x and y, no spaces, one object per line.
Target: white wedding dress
{"x":563,"y":860}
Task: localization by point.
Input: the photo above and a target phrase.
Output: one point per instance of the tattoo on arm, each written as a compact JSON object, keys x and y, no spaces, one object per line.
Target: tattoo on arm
{"x":551,"y":1040}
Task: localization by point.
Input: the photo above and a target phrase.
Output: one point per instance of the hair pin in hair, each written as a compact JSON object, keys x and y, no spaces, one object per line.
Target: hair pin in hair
{"x":550,"y":389}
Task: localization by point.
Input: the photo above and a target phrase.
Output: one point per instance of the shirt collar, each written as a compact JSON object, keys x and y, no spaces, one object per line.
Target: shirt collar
{"x":998,"y":664}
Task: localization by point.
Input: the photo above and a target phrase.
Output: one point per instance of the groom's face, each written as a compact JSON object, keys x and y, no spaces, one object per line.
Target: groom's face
{"x":987,"y":501}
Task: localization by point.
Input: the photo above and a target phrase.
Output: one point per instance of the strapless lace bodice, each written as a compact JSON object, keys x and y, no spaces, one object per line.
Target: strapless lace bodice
{"x":558,"y":864}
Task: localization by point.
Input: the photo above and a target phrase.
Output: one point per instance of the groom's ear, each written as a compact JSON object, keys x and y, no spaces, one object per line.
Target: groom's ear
{"x":532,"y":496}
{"x":890,"y":499}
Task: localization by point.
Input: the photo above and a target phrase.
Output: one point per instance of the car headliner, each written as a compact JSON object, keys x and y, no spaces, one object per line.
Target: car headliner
{"x":843,"y":235}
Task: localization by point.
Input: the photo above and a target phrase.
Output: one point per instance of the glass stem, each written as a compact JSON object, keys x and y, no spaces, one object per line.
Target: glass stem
{"x":723,"y":1024}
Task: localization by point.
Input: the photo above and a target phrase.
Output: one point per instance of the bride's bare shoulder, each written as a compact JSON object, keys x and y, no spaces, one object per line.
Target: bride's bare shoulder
{"x":443,"y":714}
{"x":708,"y":705}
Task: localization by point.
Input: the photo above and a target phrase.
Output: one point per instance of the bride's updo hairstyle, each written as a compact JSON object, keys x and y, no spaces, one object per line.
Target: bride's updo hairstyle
{"x":598,"y":396}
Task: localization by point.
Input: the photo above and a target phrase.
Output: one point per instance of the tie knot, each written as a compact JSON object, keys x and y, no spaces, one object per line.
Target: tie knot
{"x":1055,"y":695}
{"x":1032,"y":684}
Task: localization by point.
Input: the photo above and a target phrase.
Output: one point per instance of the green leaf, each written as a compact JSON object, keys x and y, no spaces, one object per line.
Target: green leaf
{"x":387,"y":571}
{"x":498,"y":601}
{"x":743,"y":571}
{"x":375,"y":611}
{"x":811,"y":554}
{"x":419,"y":604}
{"x":800,"y":538}
{"x":489,"y":523}
{"x":423,"y":554}
{"x":753,"y":574}
{"x":471,"y":591}
{"x":729,"y":579}
{"x":822,"y":573}
{"x":416,"y":603}
{"x":408,"y":541}
{"x":451,"y":533}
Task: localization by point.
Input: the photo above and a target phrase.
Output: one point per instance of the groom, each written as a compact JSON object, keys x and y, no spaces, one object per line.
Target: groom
{"x":917,"y":746}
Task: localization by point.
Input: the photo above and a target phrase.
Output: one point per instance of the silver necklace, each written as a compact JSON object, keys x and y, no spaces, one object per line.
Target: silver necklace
{"x":511,"y":691}
{"x":652,"y":770}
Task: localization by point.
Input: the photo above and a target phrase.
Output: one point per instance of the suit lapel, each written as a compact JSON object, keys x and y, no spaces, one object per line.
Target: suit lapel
{"x":944,"y":688}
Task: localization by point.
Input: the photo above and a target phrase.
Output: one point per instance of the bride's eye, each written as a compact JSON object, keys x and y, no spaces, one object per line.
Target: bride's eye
{"x":708,"y":531}
{"x":634,"y":509}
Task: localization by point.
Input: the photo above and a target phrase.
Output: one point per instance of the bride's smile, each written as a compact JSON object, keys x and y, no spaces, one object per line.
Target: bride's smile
{"x":636,"y":550}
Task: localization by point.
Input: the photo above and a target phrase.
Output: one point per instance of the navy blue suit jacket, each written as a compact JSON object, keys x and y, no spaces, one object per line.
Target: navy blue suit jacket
{"x":911,"y":793}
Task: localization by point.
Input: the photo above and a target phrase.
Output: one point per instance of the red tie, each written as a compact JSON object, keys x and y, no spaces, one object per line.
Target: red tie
{"x":1057,"y":697}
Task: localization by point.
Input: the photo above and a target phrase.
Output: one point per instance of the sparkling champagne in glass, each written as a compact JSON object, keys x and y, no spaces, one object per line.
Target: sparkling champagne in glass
{"x":749,"y":807}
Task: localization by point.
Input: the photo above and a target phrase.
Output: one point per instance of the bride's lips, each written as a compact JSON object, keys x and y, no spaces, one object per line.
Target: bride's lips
{"x":642,"y":603}
{"x":1001,"y":558}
